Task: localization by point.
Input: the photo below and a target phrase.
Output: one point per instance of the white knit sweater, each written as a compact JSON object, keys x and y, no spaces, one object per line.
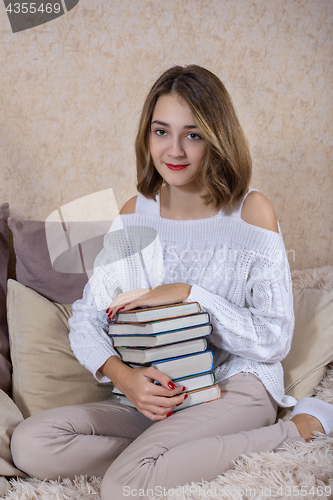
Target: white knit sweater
{"x":239,"y":274}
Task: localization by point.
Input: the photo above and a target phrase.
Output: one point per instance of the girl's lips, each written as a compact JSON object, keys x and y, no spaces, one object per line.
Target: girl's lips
{"x":175,"y":167}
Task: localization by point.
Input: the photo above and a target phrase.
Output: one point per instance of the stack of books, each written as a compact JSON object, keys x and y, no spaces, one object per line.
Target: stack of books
{"x":172,"y":339}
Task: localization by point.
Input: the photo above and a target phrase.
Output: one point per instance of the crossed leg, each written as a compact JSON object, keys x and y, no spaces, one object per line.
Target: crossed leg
{"x":199,"y":442}
{"x":132,"y":452}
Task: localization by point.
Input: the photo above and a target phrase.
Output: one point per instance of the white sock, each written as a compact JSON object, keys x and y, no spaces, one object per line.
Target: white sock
{"x":316,"y":408}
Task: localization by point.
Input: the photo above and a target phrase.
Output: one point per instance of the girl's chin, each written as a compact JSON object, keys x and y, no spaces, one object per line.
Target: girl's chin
{"x":186,"y":186}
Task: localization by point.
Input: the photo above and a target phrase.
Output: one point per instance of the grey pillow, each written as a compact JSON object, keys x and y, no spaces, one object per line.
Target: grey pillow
{"x":34,"y":268}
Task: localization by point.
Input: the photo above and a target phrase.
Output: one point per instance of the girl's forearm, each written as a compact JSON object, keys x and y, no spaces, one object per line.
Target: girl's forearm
{"x":115,"y":370}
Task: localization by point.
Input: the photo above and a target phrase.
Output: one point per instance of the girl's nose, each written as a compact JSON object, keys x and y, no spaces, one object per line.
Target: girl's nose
{"x":176,"y":148}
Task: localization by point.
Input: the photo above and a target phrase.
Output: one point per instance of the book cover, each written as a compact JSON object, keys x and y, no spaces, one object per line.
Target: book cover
{"x":199,"y":396}
{"x":190,"y":383}
{"x":151,"y":354}
{"x":158,"y":326}
{"x":185,"y":366}
{"x":195,"y":397}
{"x":160,"y":312}
{"x":162,"y":338}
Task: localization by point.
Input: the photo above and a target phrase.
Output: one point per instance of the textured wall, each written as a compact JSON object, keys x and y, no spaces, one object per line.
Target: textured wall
{"x":71,"y":91}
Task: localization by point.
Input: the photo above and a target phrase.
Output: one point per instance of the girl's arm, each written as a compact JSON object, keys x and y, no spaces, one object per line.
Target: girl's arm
{"x":93,"y":348}
{"x":262,"y":328}
{"x":162,"y":295}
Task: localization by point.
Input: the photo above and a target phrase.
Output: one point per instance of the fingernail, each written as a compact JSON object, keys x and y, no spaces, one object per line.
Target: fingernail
{"x":171,"y":385}
{"x":180,"y":403}
{"x":170,"y":413}
{"x":108,"y":310}
{"x":186,"y":396}
{"x":121,"y":309}
{"x":184,"y":389}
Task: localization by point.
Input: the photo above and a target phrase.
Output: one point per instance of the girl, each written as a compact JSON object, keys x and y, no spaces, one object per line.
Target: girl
{"x":218,"y":243}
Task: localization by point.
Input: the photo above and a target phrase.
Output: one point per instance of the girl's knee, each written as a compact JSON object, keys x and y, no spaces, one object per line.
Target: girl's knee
{"x":23,"y":447}
{"x":31,"y":446}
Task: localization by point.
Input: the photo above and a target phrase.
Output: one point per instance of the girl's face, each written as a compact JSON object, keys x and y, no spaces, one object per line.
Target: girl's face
{"x":177,"y":147}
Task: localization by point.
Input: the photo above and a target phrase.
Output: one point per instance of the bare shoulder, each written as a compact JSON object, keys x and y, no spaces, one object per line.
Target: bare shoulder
{"x":259,"y":211}
{"x":129,"y":207}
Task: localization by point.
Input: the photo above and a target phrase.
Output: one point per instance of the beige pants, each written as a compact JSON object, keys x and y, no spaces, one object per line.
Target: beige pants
{"x":193,"y":444}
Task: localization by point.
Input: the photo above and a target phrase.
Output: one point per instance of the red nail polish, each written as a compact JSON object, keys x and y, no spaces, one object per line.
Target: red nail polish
{"x":170,"y":413}
{"x":121,"y":309}
{"x":184,"y":389}
{"x":180,"y":403}
{"x":108,"y":310}
{"x":186,"y":396}
{"x":171,"y":385}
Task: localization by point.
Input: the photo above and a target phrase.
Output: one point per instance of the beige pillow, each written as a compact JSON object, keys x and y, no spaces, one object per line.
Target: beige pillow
{"x":10,"y":418}
{"x":46,"y":374}
{"x":312,"y":345}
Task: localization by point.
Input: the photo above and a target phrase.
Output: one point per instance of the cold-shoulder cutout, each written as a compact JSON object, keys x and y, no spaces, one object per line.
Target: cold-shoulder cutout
{"x":129,"y":206}
{"x":258,"y":211}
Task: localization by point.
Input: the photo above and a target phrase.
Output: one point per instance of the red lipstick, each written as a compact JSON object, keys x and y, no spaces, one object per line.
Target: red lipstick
{"x":175,"y":167}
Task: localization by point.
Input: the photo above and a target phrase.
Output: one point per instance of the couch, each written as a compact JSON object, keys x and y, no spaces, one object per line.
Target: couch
{"x":41,"y":372}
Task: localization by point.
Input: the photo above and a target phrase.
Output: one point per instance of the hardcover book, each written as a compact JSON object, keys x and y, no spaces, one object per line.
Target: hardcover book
{"x":130,"y":355}
{"x":157,"y":326}
{"x":161,"y":312}
{"x":196,"y":397}
{"x":184,"y":366}
{"x":162,"y":338}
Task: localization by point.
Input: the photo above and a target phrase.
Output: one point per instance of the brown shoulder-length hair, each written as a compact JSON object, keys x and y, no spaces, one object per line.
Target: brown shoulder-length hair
{"x":226,"y":169}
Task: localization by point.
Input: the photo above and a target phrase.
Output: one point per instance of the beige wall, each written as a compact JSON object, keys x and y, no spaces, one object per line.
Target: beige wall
{"x":71,"y":91}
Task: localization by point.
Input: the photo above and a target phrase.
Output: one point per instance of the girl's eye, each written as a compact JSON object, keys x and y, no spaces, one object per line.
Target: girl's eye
{"x":194,"y":137}
{"x":160,"y":132}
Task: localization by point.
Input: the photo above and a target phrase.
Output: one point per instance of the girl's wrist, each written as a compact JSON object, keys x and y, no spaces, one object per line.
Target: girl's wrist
{"x":115,"y":370}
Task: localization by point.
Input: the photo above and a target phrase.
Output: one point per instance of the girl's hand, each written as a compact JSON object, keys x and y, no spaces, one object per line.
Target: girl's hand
{"x":124,"y":298}
{"x":172,"y":293}
{"x":154,"y":401}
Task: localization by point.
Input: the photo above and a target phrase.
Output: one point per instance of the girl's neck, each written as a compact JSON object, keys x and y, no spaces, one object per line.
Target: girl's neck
{"x":180,"y":204}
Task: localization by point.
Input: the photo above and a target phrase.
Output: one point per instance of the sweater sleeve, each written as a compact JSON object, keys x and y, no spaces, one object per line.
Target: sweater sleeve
{"x":256,"y":321}
{"x":88,"y":323}
{"x":115,"y":271}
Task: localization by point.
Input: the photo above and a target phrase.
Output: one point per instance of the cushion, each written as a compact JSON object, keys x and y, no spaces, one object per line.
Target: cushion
{"x":34,"y":268}
{"x":10,"y":418}
{"x":312,"y":345}
{"x":5,"y":366}
{"x":46,"y":374}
